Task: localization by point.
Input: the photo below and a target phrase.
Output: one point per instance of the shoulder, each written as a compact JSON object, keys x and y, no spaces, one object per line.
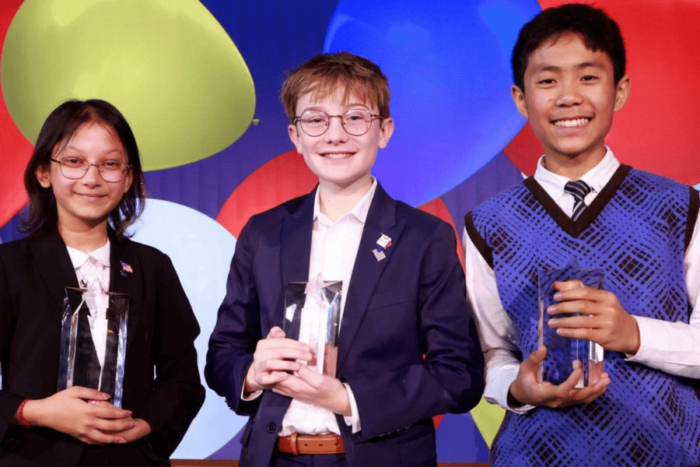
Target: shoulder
{"x":414,"y":218}
{"x":495,"y":207}
{"x":647,"y":189}
{"x":147,"y":257}
{"x":270,"y":219}
{"x":141,"y":249}
{"x":655,"y":182}
{"x":17,"y":250}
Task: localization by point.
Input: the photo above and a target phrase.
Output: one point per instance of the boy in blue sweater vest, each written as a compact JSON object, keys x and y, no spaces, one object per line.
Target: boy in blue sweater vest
{"x":639,"y":228}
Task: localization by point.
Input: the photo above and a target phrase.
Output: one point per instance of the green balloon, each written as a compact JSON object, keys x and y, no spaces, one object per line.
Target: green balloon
{"x":167,"y":65}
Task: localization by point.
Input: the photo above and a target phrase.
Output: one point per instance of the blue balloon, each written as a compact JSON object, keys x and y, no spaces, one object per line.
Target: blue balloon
{"x":448,"y":64}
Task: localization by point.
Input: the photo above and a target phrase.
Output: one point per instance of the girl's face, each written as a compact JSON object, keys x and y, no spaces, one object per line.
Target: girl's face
{"x":85,"y":203}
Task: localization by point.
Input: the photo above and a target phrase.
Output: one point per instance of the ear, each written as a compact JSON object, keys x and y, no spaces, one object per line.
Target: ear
{"x":622,"y":92}
{"x":128,"y":180}
{"x":42,"y":176}
{"x":294,"y":136}
{"x":385,"y":132}
{"x":518,"y":96}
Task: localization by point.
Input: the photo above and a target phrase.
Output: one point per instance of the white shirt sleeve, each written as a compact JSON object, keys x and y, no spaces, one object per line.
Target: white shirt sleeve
{"x":675,"y":347}
{"x":496,"y":330}
{"x":353,"y":421}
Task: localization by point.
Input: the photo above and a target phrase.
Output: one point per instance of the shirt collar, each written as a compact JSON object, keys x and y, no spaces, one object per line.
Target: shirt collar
{"x":101,"y":255}
{"x":358,"y":212}
{"x":596,"y":178}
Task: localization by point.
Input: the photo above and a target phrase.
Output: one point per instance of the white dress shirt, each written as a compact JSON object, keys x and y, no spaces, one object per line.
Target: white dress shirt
{"x":333,"y":251}
{"x":670,"y":347}
{"x":334,"y":247}
{"x":92,"y":270}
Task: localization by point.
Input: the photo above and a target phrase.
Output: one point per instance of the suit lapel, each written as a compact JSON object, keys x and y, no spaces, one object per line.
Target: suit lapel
{"x":381,"y":220}
{"x":126,"y":276}
{"x":54,"y":265}
{"x":295,"y":240}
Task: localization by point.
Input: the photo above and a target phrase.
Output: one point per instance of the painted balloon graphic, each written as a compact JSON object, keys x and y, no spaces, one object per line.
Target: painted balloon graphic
{"x":449,"y":74}
{"x":167,"y":65}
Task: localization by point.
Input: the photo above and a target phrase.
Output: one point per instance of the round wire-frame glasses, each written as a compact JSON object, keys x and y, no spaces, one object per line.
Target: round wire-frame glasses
{"x":75,"y":168}
{"x":356,"y":122}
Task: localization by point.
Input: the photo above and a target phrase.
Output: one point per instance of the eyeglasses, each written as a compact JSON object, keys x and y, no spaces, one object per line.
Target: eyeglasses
{"x":74,"y":168}
{"x":355,"y":121}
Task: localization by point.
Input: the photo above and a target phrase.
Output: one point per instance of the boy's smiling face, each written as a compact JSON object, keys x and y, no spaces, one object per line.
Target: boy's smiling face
{"x":340,"y":160}
{"x":569,"y":98}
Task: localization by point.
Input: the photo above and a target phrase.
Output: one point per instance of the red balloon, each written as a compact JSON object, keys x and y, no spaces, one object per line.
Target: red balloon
{"x":656,"y":131}
{"x":278,"y":180}
{"x":15,"y":150}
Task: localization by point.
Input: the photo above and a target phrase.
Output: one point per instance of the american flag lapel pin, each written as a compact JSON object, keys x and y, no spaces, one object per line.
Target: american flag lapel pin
{"x":126,"y":268}
{"x":379,"y":254}
{"x":384,"y":241}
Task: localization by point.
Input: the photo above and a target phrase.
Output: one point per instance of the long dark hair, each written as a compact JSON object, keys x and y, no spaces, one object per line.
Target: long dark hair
{"x":60,"y":126}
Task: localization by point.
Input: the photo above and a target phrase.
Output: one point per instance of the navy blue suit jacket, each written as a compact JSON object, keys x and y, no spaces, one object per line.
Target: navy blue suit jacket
{"x":408,"y":345}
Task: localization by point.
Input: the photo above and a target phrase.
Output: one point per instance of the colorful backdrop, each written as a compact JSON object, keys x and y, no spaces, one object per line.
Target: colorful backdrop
{"x":199,"y":82}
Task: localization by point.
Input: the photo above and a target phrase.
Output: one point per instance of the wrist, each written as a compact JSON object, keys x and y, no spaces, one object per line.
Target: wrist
{"x":513,"y":401}
{"x":29,"y":413}
{"x":341,"y":405}
{"x":249,"y":385}
{"x":19,"y":414}
{"x":635,"y":339}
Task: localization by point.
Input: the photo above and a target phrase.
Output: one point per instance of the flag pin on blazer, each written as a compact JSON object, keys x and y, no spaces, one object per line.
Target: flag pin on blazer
{"x":126,"y":268}
{"x":384,"y":242}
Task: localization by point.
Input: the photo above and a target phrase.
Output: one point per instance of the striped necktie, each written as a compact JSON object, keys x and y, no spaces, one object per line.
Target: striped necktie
{"x":578,"y":189}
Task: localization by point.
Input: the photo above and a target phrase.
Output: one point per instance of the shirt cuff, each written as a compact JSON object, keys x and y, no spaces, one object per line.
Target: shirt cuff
{"x":250,"y":396}
{"x":652,"y":340}
{"x":353,"y":420}
{"x":497,"y":389}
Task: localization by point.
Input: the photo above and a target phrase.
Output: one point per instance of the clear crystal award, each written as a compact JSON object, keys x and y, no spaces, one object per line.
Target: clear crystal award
{"x":564,"y":354}
{"x":312,"y":316}
{"x":93,"y":342}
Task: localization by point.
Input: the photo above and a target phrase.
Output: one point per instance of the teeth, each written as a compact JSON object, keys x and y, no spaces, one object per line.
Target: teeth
{"x":572,"y":123}
{"x":337,"y":155}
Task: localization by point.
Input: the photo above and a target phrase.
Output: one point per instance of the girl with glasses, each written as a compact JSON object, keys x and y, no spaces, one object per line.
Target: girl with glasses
{"x":85,"y":187}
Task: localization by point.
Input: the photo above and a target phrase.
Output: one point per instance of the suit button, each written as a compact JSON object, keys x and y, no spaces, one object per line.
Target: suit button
{"x":271,"y":427}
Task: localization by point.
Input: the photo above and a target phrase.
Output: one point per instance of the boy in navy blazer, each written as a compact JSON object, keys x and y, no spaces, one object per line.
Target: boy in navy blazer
{"x":408,"y":347}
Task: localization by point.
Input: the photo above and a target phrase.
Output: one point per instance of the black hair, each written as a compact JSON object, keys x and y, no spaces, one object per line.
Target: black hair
{"x":598,"y":31}
{"x":41,"y":215}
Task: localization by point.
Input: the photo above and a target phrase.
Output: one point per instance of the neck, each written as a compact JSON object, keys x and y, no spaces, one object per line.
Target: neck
{"x":336,"y":201}
{"x":85,"y":240}
{"x":573,"y":168}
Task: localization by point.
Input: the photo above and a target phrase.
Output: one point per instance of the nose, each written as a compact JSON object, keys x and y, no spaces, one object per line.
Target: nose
{"x":569,"y":94}
{"x":336,"y":132}
{"x":92,"y":177}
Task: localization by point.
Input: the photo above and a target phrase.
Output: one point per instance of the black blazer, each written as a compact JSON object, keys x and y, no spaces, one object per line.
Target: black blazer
{"x":160,"y":334}
{"x":408,"y":345}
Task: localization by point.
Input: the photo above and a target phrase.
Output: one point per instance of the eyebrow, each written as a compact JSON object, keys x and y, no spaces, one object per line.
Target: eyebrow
{"x":78,"y":150}
{"x":578,"y":66}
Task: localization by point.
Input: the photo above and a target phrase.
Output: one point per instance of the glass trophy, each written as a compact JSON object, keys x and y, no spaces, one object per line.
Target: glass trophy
{"x":93,"y":342}
{"x":312,"y":316}
{"x":564,"y":354}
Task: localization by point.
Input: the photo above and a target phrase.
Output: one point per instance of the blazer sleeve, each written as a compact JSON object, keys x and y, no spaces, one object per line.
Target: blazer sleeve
{"x":8,"y":402}
{"x":451,"y":376}
{"x":237,"y":330}
{"x":177,"y":392}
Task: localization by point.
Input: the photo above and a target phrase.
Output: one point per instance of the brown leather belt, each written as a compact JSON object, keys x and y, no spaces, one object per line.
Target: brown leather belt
{"x":310,"y":444}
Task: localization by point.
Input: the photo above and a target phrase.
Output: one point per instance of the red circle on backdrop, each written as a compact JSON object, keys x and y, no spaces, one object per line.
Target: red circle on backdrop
{"x":656,"y":131}
{"x":15,"y":150}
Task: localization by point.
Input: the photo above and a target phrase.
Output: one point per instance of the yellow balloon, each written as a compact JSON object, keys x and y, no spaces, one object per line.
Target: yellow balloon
{"x":488,"y":419}
{"x":167,"y":65}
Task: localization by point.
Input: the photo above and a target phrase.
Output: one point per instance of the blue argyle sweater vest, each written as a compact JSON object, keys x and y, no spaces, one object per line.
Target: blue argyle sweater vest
{"x":636,"y":231}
